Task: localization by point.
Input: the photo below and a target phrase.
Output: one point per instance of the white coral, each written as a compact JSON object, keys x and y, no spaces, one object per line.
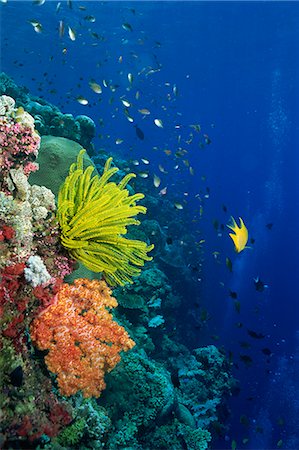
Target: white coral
{"x":7,"y":105}
{"x":42,"y":201}
{"x":36,"y":273}
{"x":20,"y":183}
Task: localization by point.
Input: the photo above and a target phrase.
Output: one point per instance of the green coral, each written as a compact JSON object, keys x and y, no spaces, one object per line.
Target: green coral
{"x":93,"y":214}
{"x":72,"y":434}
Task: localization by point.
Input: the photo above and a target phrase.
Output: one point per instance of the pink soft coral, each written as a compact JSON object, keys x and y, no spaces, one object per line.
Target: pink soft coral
{"x":18,"y":143}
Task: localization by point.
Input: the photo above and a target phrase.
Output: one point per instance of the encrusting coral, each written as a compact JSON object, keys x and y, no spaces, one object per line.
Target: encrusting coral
{"x":94,"y":214}
{"x":83,"y":340}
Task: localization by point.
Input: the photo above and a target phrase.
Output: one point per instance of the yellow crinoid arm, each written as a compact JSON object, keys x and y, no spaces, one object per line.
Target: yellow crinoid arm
{"x":94,"y":214}
{"x":240,"y":236}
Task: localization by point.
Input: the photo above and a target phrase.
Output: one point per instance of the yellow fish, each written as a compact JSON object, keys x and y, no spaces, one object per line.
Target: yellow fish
{"x":240,"y":237}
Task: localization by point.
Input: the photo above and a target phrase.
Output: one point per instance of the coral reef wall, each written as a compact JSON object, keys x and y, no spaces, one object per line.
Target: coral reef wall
{"x":80,"y":369}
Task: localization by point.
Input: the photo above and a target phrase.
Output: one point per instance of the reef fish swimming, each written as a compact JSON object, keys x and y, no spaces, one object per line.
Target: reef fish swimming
{"x":240,"y":237}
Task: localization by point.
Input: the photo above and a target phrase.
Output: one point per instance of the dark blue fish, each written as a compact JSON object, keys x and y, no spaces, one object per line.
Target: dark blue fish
{"x":139,"y":133}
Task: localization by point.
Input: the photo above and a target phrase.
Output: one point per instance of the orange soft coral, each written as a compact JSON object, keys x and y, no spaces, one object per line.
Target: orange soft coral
{"x":83,"y":340}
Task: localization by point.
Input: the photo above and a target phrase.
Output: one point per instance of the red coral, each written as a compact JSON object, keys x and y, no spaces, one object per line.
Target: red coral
{"x":83,"y":340}
{"x":8,"y":232}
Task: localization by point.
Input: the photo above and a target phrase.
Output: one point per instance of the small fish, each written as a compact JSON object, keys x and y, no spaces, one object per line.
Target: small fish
{"x":126,"y":103}
{"x":91,"y":19}
{"x":240,"y":237}
{"x":255,"y":335}
{"x":163,"y":191}
{"x":178,"y":205}
{"x":72,"y":34}
{"x":175,"y":90}
{"x":118,"y":141}
{"x":145,"y":161}
{"x":157,"y":181}
{"x":105,"y":83}
{"x":61,"y":28}
{"x":167,"y":152}
{"x":161,"y":168}
{"x":135,"y":162}
{"x":207,"y":139}
{"x":158,"y":123}
{"x":279,"y":443}
{"x":38,"y":2}
{"x":233,"y":294}
{"x":229,"y":264}
{"x":130,"y":78}
{"x":191,"y":170}
{"x":58,"y":6}
{"x":143,"y":174}
{"x":196,"y":127}
{"x":126,"y":26}
{"x":144,"y":111}
{"x":237,"y":305}
{"x":139,"y":133}
{"x":259,"y":284}
{"x":234,"y":445}
{"x":95,"y":87}
{"x":82,"y":100}
{"x":36,"y":26}
{"x":130,"y":119}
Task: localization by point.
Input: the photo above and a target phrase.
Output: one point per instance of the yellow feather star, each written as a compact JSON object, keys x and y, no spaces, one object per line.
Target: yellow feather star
{"x":240,"y":237}
{"x":93,"y":214}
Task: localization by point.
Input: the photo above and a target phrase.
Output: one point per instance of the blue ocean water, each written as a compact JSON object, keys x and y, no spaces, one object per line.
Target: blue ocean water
{"x":232,"y":68}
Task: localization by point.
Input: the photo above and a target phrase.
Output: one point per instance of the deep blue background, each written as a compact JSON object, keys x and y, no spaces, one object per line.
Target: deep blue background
{"x":236,"y":68}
